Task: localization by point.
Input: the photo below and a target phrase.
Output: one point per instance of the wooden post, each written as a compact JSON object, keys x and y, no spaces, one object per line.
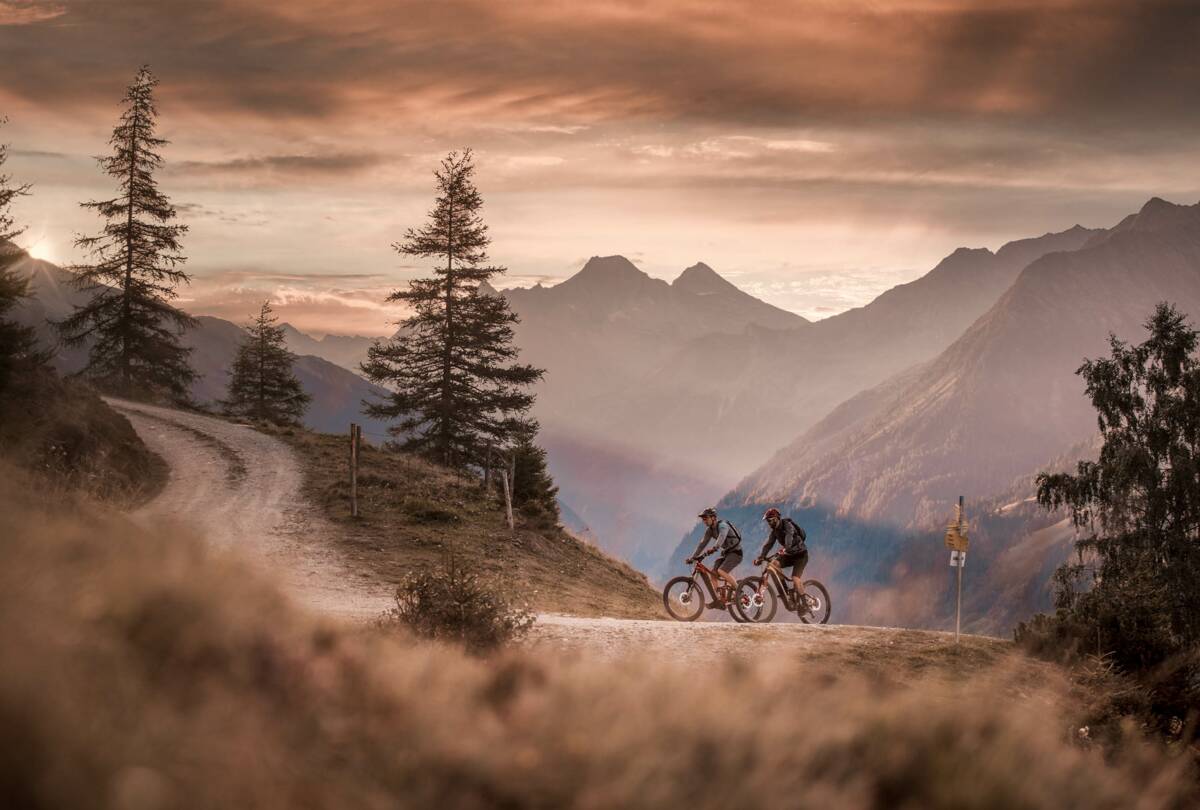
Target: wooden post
{"x":507,"y":498}
{"x":355,"y":435}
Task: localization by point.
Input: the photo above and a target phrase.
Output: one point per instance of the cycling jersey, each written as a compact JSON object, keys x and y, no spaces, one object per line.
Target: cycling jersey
{"x":727,"y":536}
{"x":788,"y":535}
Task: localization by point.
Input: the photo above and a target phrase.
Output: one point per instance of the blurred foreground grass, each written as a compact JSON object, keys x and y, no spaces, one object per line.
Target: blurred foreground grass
{"x":146,"y":670}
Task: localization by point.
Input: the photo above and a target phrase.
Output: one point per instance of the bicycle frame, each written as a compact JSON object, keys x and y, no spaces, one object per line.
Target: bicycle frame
{"x":706,"y":576}
{"x":781,"y":583}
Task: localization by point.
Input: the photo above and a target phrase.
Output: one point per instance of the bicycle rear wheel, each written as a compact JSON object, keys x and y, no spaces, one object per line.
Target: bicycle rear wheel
{"x":683,"y":597}
{"x":752,"y":607}
{"x":818,"y":603}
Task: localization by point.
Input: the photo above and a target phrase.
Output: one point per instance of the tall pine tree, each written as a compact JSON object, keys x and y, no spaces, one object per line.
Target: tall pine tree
{"x":451,"y":366}
{"x":133,"y":328}
{"x":18,"y":344}
{"x":262,"y":385}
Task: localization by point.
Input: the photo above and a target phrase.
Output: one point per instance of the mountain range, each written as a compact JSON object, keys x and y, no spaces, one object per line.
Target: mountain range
{"x":874,"y":481}
{"x":336,"y":393}
{"x":659,"y":397}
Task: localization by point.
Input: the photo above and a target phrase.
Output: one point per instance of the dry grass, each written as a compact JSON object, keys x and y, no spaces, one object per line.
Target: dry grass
{"x":412,"y":511}
{"x":145,"y":671}
{"x":62,"y":432}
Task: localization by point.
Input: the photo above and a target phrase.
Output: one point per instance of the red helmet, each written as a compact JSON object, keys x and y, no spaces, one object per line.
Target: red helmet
{"x":771,"y":513}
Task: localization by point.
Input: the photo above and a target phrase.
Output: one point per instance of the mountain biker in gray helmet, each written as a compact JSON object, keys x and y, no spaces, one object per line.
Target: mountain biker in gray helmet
{"x":792,"y":549}
{"x":728,"y":540}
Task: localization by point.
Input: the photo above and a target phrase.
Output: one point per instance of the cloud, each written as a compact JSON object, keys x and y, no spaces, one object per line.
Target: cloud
{"x":335,"y":163}
{"x":347,"y":303}
{"x":557,"y":66}
{"x":28,"y":12}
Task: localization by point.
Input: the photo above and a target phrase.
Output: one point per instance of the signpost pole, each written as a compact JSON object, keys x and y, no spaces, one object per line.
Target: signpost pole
{"x":962,"y":559}
{"x":956,"y":541}
{"x":958,"y":611}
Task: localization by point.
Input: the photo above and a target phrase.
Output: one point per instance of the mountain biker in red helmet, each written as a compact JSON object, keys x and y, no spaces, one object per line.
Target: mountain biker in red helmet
{"x":728,"y":540}
{"x":792,"y":549}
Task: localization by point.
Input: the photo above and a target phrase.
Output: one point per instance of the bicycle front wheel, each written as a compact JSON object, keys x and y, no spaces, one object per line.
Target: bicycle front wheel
{"x":818,"y":603}
{"x":684,"y":599}
{"x":751,"y":605}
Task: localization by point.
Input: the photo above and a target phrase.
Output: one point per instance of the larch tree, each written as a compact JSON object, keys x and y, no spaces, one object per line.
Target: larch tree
{"x":262,"y":384}
{"x":18,"y":344}
{"x":457,"y":389}
{"x":130,"y":323}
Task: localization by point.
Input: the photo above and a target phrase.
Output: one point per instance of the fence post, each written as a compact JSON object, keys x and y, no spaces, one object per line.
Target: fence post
{"x":507,"y":498}
{"x":355,"y":434}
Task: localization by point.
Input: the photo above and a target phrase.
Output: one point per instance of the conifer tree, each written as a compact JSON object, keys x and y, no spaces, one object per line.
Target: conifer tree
{"x":451,"y":365}
{"x":133,"y":328}
{"x":18,"y":344}
{"x":1138,"y":505}
{"x":262,"y":385}
{"x":534,"y":491}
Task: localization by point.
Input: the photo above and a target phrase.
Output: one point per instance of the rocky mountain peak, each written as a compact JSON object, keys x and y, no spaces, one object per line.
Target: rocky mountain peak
{"x":608,"y":270}
{"x":700,"y":279}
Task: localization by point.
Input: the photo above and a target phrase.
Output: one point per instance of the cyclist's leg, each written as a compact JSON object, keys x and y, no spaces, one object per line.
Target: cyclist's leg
{"x":798,"y":577}
{"x":729,"y":562}
{"x":772,"y":565}
{"x":726,"y":573}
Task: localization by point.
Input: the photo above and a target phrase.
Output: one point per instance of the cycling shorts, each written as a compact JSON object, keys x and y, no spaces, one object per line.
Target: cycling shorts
{"x":728,"y":560}
{"x":798,"y":561}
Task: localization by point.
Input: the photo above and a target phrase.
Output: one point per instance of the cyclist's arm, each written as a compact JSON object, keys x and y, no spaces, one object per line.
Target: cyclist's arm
{"x":766,"y":549}
{"x":700,"y":548}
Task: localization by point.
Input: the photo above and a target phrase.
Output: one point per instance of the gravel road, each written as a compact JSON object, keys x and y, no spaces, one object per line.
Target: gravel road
{"x":241,"y":490}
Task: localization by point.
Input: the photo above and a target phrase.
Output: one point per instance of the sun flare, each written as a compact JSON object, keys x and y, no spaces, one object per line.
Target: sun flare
{"x":44,"y":250}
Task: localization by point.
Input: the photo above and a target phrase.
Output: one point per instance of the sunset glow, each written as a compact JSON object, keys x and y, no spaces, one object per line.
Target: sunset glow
{"x":814,"y":153}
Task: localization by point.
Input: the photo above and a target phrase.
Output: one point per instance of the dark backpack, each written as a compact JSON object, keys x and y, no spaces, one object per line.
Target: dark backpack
{"x":800,"y":537}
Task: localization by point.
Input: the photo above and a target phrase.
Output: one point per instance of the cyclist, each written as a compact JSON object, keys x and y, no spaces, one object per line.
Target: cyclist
{"x":728,"y":540}
{"x":792,"y":549}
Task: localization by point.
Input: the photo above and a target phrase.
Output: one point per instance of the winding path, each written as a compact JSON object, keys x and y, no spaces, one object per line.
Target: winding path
{"x":241,"y":490}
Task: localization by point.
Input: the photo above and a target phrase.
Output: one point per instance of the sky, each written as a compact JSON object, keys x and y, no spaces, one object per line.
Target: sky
{"x":815,"y":153}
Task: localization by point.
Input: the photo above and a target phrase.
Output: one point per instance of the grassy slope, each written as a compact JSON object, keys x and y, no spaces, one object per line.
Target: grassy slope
{"x":412,"y":512}
{"x":61,"y":431}
{"x":147,"y":674}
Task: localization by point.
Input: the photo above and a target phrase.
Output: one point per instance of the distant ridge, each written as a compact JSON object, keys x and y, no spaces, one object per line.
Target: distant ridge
{"x":1002,"y":398}
{"x":337,"y":393}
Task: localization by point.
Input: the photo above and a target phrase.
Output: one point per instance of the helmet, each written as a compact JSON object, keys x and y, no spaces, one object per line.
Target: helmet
{"x":771,"y":513}
{"x":709,"y":512}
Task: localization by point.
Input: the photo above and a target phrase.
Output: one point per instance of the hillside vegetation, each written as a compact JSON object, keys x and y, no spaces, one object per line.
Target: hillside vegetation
{"x":167,"y":675}
{"x":413,"y":513}
{"x":61,"y":432}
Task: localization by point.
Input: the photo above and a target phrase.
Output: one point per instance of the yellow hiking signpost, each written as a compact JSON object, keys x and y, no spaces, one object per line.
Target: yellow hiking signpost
{"x":956,"y":541}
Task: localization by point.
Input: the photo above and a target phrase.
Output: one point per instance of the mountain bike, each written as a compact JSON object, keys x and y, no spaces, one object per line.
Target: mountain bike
{"x":758,"y":597}
{"x":684,"y":598}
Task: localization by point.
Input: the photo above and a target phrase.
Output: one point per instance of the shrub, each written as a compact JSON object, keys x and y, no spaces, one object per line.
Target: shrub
{"x":451,"y":603}
{"x":427,"y":511}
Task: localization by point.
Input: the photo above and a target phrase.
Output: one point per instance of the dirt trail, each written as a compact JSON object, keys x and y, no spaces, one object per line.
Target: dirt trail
{"x":240,"y":489}
{"x":910,"y":650}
